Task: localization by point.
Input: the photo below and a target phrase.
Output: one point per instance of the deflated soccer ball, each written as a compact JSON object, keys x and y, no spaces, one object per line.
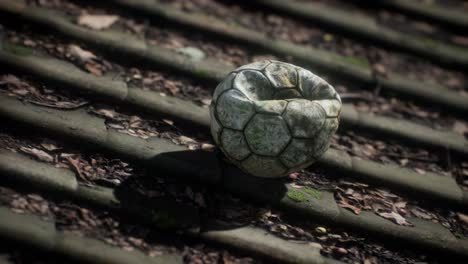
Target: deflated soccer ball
{"x":272,"y":118}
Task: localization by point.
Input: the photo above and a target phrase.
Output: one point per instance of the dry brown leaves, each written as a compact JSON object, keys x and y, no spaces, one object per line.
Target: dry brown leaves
{"x":129,"y":124}
{"x":96,"y":65}
{"x":165,"y":85}
{"x":136,"y":126}
{"x":389,"y":152}
{"x":42,"y":96}
{"x":84,"y":222}
{"x":359,"y":196}
{"x":101,"y":225}
{"x":87,"y":60}
{"x":396,"y":218}
{"x":273,"y":222}
{"x":89,"y":168}
{"x":28,"y":203}
{"x":96,"y":168}
{"x":132,"y":125}
{"x":72,"y":52}
{"x":201,"y":254}
{"x":37,"y":153}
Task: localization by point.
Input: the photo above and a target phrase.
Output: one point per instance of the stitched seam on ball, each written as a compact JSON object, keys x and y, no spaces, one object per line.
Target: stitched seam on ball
{"x":245,"y":127}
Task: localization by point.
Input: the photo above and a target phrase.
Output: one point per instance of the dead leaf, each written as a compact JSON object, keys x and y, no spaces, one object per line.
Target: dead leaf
{"x":463,"y":218}
{"x":420,"y":171}
{"x":106,"y":112}
{"x":403,"y":162}
{"x":379,"y":68}
{"x":340,"y":250}
{"x":49,"y":146}
{"x":321,"y":230}
{"x":81,"y":54}
{"x":75,"y":163}
{"x":376,"y":207}
{"x":97,"y":22}
{"x":29,"y":43}
{"x":169,"y":122}
{"x":463,"y":41}
{"x":10,"y":79}
{"x":206,"y":101}
{"x":186,"y":140}
{"x":296,"y":186}
{"x":400,"y":205}
{"x":396,"y":218}
{"x":207,"y":147}
{"x":172,"y":87}
{"x":135,"y":121}
{"x":294,"y":175}
{"x":371,"y":260}
{"x":353,"y":208}
{"x":192,"y":147}
{"x":454,"y":82}
{"x":18,"y":87}
{"x":421,"y":214}
{"x":344,"y":204}
{"x":460,"y":127}
{"x":40,"y":154}
{"x":93,"y":69}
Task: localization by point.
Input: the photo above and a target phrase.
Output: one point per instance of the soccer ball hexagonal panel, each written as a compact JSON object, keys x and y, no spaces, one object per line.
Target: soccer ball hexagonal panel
{"x":304,"y":117}
{"x":331,"y":107}
{"x":225,"y":85}
{"x":323,"y":138}
{"x":234,"y":109}
{"x":271,"y":118}
{"x":254,"y":85}
{"x":282,"y":75}
{"x":234,"y":144}
{"x":298,"y":152}
{"x":267,"y":134}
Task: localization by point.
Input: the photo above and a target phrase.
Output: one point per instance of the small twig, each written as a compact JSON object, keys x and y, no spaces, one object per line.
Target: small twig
{"x":58,"y":107}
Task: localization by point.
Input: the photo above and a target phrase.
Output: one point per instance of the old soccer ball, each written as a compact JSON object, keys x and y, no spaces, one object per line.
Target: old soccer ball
{"x":272,"y":118}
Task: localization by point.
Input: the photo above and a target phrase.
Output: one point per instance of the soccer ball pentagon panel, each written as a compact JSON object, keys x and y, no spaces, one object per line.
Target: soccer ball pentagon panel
{"x":272,"y":118}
